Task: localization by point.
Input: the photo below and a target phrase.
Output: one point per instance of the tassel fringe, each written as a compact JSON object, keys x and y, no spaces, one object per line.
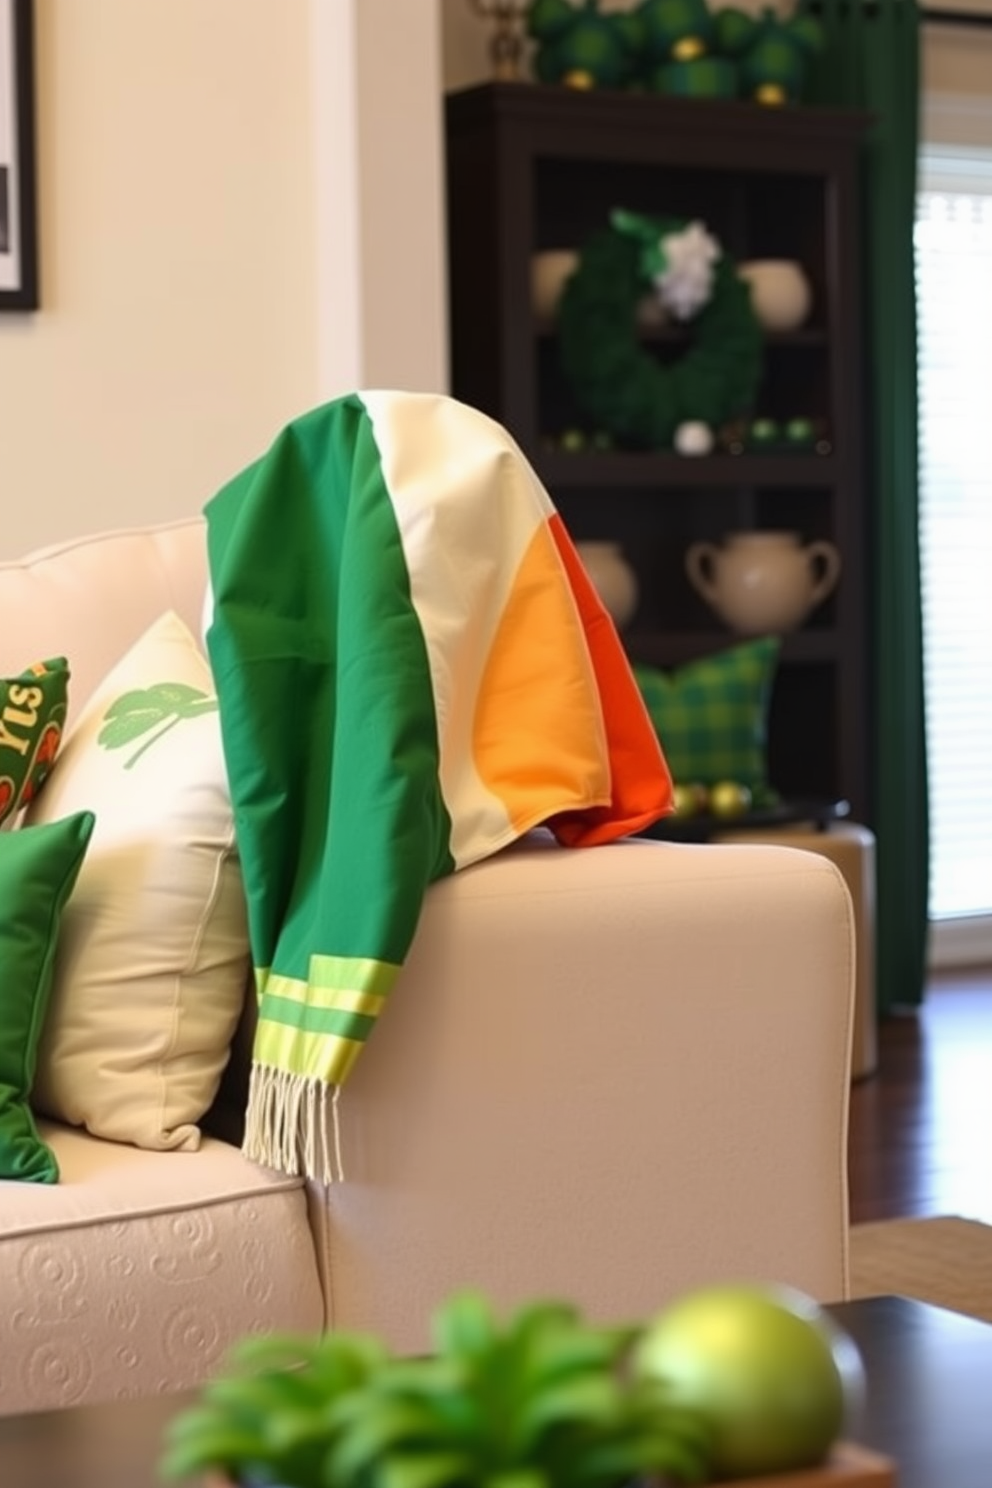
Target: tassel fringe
{"x":292,"y":1125}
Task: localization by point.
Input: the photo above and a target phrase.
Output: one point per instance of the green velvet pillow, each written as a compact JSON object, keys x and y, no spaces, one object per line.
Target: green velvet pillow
{"x":712,"y":715}
{"x":38,"y":868}
{"x":32,"y":716}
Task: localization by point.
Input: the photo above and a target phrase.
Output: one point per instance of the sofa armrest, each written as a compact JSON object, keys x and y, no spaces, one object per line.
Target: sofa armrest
{"x":606,"y":1075}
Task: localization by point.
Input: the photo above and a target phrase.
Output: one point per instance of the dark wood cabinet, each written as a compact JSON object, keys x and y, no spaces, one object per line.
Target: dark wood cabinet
{"x":532,"y":167}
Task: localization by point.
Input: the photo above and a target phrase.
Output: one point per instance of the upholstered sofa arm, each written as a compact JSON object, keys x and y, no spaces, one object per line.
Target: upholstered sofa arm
{"x":608,"y":1075}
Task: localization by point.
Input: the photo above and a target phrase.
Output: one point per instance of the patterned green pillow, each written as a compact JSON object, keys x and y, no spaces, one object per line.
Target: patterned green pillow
{"x":712,"y":715}
{"x":32,"y":716}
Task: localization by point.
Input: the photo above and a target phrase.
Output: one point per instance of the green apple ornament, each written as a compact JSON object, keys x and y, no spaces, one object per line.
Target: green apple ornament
{"x":774,"y":1376}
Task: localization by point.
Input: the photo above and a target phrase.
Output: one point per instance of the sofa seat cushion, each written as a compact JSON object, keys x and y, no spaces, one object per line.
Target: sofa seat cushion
{"x":136,"y":1272}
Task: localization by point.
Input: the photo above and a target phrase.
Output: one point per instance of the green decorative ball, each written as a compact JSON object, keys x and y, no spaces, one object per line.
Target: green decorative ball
{"x":690,"y":799}
{"x":800,"y":431}
{"x":674,"y":30}
{"x":706,"y":77}
{"x":764,"y":432}
{"x":729,"y":798}
{"x":582,"y":48}
{"x":759,"y":1367}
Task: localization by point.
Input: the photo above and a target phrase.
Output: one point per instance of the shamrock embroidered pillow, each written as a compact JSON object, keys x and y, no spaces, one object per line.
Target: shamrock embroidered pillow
{"x":32,"y":716}
{"x":152,"y":964}
{"x":711,"y":715}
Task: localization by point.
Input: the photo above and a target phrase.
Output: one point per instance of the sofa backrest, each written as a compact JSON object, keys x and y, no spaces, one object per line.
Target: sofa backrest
{"x":90,"y":599}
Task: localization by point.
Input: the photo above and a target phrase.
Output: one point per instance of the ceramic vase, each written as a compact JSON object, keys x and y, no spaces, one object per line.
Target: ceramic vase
{"x":612,"y":578}
{"x":763,"y":583}
{"x":780,"y":292}
{"x":548,"y":272}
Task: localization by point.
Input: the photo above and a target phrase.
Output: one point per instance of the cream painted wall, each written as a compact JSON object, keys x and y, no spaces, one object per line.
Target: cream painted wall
{"x":177,"y":243}
{"x":464,"y":37}
{"x":377,"y":108}
{"x":241,"y":214}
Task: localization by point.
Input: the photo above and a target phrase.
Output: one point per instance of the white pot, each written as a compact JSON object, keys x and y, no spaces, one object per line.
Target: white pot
{"x":548,"y":272}
{"x":612,"y":578}
{"x":780,"y":292}
{"x":763,"y":583}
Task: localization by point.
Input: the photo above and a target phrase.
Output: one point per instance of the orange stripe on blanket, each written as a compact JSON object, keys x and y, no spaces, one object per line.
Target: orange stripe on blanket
{"x":539,"y":741}
{"x":642,"y":790}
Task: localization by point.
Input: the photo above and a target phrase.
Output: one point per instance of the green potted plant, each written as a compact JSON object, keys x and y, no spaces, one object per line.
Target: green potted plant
{"x":542,"y":1400}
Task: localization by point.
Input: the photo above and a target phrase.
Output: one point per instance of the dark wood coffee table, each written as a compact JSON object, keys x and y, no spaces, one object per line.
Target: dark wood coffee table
{"x":929,"y":1407}
{"x":929,"y":1390}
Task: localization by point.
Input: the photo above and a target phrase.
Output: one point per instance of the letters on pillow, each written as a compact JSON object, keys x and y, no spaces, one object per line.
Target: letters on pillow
{"x":153,"y":957}
{"x":32,"y":716}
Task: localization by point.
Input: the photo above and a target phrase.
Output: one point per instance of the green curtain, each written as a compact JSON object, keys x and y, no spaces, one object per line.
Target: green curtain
{"x":871,"y":61}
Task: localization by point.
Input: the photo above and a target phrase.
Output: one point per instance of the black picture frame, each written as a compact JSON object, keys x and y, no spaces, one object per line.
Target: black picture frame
{"x":18,"y":185}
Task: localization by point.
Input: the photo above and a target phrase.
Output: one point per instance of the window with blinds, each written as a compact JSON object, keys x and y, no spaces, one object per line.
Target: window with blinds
{"x":954,"y":289}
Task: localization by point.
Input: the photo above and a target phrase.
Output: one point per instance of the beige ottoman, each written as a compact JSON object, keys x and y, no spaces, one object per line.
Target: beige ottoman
{"x":852,"y":848}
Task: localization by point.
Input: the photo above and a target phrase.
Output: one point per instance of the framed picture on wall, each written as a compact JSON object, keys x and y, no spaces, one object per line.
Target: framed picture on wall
{"x":18,"y":207}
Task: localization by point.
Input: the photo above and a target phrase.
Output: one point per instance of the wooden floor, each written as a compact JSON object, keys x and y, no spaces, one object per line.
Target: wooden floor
{"x":921,"y":1128}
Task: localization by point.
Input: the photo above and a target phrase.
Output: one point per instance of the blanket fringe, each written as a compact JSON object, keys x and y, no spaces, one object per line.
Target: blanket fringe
{"x":292,"y":1124}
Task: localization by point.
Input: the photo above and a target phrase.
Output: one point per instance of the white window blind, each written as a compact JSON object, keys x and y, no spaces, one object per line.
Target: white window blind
{"x":954,"y":291}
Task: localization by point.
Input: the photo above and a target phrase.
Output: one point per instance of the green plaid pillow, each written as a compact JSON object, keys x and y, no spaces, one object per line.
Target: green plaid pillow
{"x":712,"y":715}
{"x":32,"y":715}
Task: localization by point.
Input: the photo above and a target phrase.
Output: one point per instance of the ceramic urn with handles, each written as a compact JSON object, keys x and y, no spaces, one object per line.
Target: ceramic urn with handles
{"x":763,"y":583}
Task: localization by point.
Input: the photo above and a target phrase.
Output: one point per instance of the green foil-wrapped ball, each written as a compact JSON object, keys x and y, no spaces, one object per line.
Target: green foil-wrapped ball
{"x":706,"y":77}
{"x":760,"y":1364}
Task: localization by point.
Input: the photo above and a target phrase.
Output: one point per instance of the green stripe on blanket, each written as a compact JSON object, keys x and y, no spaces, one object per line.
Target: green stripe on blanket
{"x":322,"y":673}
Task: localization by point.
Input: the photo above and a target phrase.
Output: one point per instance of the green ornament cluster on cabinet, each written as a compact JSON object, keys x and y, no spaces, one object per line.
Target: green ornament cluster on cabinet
{"x":534,"y":172}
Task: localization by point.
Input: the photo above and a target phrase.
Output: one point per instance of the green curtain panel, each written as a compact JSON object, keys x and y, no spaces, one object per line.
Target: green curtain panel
{"x":871,"y":61}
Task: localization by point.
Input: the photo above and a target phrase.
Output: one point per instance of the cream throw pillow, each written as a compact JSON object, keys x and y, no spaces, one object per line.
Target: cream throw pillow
{"x":153,"y":953}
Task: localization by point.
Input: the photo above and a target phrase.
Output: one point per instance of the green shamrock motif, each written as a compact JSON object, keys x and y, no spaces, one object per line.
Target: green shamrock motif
{"x":158,"y":708}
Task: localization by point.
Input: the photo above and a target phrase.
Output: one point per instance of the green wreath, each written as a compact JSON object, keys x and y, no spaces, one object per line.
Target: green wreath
{"x":616,"y":381}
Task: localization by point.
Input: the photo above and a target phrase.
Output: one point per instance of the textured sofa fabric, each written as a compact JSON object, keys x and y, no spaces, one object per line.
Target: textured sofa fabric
{"x":608,"y":1074}
{"x":138,"y":1270}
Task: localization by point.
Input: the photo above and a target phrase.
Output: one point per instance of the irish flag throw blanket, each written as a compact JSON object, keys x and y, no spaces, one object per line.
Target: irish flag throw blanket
{"x":413,"y":670}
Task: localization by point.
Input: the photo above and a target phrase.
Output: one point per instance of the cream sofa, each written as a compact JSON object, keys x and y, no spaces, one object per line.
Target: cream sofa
{"x":607,"y":1074}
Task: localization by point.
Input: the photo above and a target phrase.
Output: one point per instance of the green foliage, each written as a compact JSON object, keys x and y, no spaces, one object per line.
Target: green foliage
{"x":617,"y":382}
{"x":542,"y":1400}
